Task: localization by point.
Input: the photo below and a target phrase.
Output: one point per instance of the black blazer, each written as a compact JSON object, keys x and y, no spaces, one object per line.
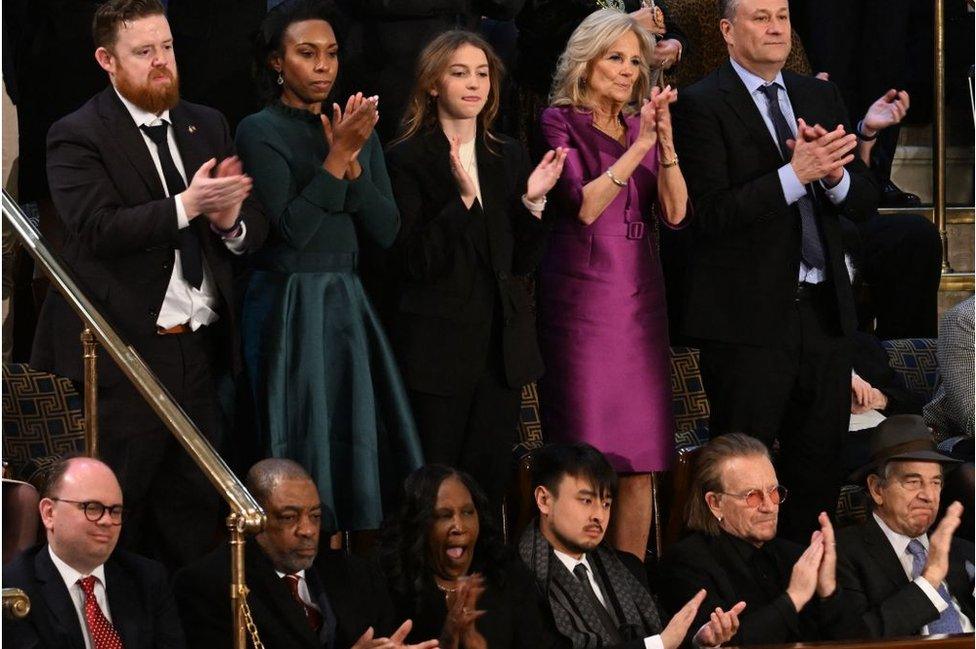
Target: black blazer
{"x":742,"y":275}
{"x":139,"y":600}
{"x":122,"y":229}
{"x":715,"y":564}
{"x":878,"y":591}
{"x":461,"y":268}
{"x":354,"y":591}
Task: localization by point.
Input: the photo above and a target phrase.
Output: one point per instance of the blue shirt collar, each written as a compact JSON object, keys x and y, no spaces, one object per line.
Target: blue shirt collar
{"x":753,"y":82}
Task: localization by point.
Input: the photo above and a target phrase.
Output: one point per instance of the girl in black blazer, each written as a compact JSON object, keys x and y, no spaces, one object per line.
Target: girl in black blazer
{"x":472,"y":231}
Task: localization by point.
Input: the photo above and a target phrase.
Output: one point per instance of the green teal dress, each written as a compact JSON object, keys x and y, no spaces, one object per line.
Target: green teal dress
{"x":327,"y":390}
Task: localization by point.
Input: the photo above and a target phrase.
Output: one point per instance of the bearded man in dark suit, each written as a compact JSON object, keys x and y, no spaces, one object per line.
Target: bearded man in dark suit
{"x":155,"y":207}
{"x":769,"y":162}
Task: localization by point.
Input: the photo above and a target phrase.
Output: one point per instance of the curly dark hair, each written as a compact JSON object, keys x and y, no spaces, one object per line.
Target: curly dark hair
{"x":273,"y":29}
{"x":404,"y":555}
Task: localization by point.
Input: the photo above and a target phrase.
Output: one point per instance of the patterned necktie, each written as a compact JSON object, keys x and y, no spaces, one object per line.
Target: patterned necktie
{"x":312,"y":616}
{"x":582,"y":574}
{"x":949,"y":621}
{"x":100,"y":630}
{"x":191,"y":260}
{"x":811,"y":248}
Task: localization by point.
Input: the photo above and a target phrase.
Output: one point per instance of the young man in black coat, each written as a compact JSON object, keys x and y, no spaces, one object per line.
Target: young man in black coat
{"x":83,"y":592}
{"x":300,"y":597}
{"x":598,"y":596}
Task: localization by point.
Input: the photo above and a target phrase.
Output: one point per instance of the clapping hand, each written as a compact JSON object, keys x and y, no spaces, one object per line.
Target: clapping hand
{"x":827,"y":573}
{"x":544,"y":176}
{"x":347,"y":132}
{"x":720,"y":628}
{"x":461,"y":176}
{"x":887,"y":111}
{"x":460,"y":631}
{"x":819,"y":154}
{"x":662,"y":100}
{"x":806,"y":570}
{"x":937,"y":562}
{"x":676,"y":630}
{"x":220,"y":195}
{"x":395,"y":641}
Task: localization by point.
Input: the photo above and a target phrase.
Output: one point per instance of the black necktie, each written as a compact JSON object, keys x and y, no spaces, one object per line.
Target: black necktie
{"x":191,"y":260}
{"x":609,"y":624}
{"x":811,"y":248}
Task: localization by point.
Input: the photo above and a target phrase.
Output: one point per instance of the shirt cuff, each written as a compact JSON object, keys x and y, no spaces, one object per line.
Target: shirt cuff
{"x":181,"y":219}
{"x":653,"y":642}
{"x":236,"y":243}
{"x":793,"y":189}
{"x":933,"y":595}
{"x":838,"y":192}
{"x":536,"y":207}
{"x":698,"y":645}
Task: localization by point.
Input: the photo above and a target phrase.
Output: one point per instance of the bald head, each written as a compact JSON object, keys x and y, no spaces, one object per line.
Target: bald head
{"x":265,"y":476}
{"x":78,"y":490}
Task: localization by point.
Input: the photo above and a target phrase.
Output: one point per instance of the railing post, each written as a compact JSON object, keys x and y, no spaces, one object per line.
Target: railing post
{"x":90,"y":347}
{"x":939,"y":137}
{"x":16,"y":604}
{"x":238,"y":589}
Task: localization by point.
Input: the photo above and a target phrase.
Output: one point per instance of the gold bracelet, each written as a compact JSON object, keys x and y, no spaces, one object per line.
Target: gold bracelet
{"x":666,"y":164}
{"x":616,"y":181}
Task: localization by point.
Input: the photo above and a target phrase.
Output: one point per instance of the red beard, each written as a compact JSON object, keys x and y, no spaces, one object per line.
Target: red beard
{"x":151,"y":96}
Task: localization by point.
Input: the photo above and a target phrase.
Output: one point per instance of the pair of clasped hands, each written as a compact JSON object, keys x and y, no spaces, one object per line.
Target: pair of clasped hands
{"x":347,"y":132}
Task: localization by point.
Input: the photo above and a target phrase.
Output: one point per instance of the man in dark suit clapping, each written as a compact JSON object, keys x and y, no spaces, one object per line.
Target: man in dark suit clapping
{"x":84,"y":593}
{"x":155,"y":207}
{"x":300,"y":597}
{"x":768,"y":157}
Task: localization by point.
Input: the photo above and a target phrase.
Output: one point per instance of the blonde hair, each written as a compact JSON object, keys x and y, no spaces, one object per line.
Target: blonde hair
{"x":421,"y":110}
{"x":708,"y":476}
{"x":591,"y":40}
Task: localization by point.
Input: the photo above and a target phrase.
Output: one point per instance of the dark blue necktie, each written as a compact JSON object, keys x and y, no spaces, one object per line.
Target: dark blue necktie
{"x":191,"y":259}
{"x":949,"y":621}
{"x":811,"y":248}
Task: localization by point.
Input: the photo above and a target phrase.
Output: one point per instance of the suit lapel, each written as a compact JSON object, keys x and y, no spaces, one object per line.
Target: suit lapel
{"x":123,"y":603}
{"x":277,"y":599}
{"x":877,"y":546}
{"x":57,"y":599}
{"x":491,"y":176}
{"x":738,"y":99}
{"x":124,"y":132}
{"x":327,"y":634}
{"x":189,"y":140}
{"x":960,"y":583}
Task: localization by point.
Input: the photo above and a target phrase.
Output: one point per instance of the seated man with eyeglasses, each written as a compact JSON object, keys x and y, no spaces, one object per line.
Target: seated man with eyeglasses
{"x":897,"y":577}
{"x":84,"y":593}
{"x":790,"y":591}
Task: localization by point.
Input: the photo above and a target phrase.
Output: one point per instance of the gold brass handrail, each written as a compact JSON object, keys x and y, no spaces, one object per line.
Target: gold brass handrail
{"x":939,"y":137}
{"x":16,"y":604}
{"x":247,"y":516}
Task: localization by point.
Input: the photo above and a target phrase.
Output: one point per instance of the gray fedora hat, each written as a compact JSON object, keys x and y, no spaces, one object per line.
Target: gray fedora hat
{"x":901,"y":437}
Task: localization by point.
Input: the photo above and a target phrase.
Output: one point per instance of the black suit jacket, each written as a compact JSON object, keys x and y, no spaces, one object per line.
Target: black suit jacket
{"x":122,"y":229}
{"x":354,"y":590}
{"x":461,"y":268}
{"x":742,"y":275}
{"x":139,"y":600}
{"x":878,"y":591}
{"x":717,"y":565}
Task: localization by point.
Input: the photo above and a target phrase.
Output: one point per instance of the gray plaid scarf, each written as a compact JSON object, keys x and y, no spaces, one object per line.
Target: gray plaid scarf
{"x":573,"y":611}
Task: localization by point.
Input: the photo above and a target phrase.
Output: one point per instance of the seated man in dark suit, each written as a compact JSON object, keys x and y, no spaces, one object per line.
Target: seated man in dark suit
{"x":899,"y":579}
{"x":598,"y":596}
{"x":300,"y":597}
{"x":84,"y":593}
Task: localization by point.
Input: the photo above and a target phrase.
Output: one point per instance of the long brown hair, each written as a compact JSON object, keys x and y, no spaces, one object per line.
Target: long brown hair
{"x":421,"y":112}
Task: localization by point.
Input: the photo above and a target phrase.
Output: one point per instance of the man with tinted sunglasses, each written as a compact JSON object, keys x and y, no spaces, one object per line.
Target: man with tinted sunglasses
{"x":84,"y":593}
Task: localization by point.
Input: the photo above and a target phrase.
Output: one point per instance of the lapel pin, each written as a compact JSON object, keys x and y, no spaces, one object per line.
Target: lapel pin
{"x":191,"y":128}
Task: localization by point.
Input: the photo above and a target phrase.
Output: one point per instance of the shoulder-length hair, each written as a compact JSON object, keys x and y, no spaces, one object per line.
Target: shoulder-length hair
{"x":272,"y":32}
{"x":708,"y":476}
{"x":404,"y":556}
{"x":421,"y":113}
{"x":591,"y":40}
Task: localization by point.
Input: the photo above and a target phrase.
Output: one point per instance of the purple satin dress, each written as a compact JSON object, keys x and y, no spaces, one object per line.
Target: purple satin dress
{"x":602,"y":313}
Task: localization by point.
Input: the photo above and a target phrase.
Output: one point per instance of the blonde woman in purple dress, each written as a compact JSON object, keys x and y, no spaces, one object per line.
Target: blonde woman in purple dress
{"x":603,"y":317}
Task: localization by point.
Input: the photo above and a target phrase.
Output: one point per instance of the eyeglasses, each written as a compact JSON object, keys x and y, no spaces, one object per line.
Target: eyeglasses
{"x":94,"y":510}
{"x":754,"y":497}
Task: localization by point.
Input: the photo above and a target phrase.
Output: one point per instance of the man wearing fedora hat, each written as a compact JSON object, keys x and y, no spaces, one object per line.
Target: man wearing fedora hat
{"x":903,"y":580}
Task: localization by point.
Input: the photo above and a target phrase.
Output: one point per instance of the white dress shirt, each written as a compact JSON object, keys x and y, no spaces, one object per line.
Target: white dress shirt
{"x":651,"y":642}
{"x":71,"y":577}
{"x":793,"y":189}
{"x":183,"y":303}
{"x":303,"y":590}
{"x":899,"y":543}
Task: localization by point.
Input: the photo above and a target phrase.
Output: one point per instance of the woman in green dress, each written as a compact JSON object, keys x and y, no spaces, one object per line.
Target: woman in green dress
{"x":327,"y":390}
